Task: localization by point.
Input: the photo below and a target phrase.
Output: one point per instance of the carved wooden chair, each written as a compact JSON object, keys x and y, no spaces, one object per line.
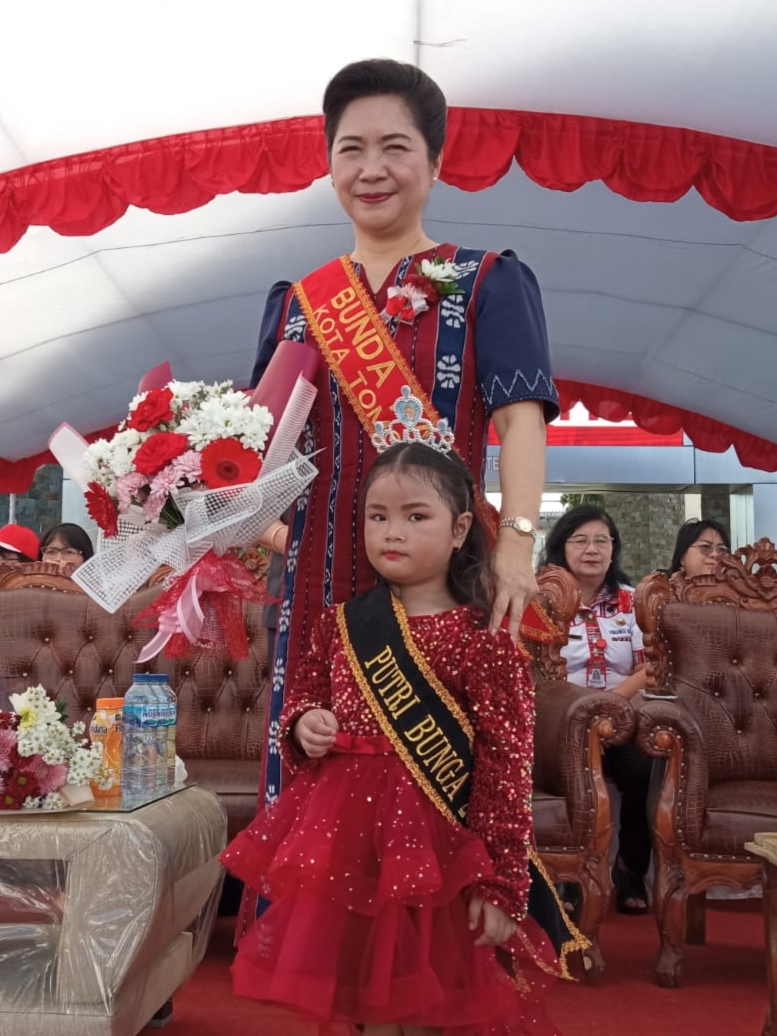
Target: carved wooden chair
{"x":711,"y":646}
{"x":572,"y":816}
{"x":17,"y":574}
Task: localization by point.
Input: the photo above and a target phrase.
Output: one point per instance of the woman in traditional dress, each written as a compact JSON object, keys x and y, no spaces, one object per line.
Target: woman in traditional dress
{"x":466,"y":325}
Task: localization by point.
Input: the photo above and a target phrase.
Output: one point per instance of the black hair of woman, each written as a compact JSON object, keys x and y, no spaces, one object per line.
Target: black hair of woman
{"x":689,"y":532}
{"x":470,"y":575}
{"x":71,"y":534}
{"x":567,"y":525}
{"x":379,"y":77}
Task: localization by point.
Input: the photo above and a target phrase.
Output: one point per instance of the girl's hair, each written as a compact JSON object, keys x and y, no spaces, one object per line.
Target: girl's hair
{"x":470,"y":576}
{"x":71,"y":534}
{"x":689,"y":532}
{"x":380,"y":76}
{"x":567,"y":525}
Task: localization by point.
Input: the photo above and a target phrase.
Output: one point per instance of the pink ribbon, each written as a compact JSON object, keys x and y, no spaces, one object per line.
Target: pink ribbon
{"x":185,"y":616}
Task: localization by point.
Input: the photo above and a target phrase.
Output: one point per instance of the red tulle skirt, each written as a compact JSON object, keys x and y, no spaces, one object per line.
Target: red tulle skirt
{"x":368,"y":921}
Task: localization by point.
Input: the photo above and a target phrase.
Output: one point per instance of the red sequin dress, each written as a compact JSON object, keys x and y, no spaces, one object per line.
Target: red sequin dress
{"x":369,"y":883}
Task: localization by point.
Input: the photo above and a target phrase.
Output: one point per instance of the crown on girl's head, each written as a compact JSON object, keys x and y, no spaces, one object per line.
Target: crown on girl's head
{"x":412,"y":426}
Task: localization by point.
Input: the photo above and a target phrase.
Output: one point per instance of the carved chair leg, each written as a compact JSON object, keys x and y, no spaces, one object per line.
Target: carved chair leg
{"x":696,"y":919}
{"x":669,"y":903}
{"x":595,"y":893}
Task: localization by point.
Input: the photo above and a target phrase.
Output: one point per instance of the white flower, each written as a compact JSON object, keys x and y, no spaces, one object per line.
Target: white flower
{"x":34,"y":708}
{"x":443,"y":271}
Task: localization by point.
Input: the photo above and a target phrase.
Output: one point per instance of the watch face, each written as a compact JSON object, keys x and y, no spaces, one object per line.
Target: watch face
{"x":524,"y":525}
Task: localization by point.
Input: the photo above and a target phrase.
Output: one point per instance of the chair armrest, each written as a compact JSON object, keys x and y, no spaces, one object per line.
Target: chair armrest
{"x":666,"y":729}
{"x":571,"y":720}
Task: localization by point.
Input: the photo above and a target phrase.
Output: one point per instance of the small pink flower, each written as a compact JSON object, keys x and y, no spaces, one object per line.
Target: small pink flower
{"x":127,"y":487}
{"x":7,"y":742}
{"x":187,"y":467}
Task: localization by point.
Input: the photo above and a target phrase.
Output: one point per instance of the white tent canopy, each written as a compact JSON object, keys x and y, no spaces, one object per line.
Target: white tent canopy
{"x":669,"y":301}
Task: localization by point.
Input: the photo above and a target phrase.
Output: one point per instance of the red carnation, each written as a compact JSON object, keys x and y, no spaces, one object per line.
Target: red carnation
{"x":226,"y":462}
{"x":424,"y":284}
{"x":152,"y":410}
{"x":158,"y":450}
{"x":102,"y":508}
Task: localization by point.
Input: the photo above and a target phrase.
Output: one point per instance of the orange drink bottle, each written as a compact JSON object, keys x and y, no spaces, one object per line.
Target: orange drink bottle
{"x":106,"y":727}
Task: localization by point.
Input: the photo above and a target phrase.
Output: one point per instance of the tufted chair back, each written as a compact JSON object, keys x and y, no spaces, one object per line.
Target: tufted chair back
{"x":711,"y":646}
{"x":54,"y":635}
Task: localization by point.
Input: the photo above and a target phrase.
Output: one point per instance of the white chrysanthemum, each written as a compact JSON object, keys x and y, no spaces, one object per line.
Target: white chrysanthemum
{"x":186,"y":391}
{"x":52,"y":801}
{"x":84,"y":764}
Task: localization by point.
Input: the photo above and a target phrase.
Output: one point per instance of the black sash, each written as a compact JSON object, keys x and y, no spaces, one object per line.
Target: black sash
{"x":428,"y":729}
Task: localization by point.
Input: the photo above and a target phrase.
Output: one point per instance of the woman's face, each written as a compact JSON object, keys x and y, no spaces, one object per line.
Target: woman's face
{"x":58,"y":552}
{"x":588,"y":552}
{"x":702,"y":556}
{"x":380,"y":166}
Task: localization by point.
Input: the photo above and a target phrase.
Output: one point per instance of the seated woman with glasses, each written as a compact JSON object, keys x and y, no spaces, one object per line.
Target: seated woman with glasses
{"x":605,"y":653}
{"x":699,"y":545}
{"x":66,"y":545}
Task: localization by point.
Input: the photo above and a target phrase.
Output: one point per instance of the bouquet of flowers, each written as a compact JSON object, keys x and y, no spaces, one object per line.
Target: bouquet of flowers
{"x":187,"y":435}
{"x":188,"y":481}
{"x":43,"y":763}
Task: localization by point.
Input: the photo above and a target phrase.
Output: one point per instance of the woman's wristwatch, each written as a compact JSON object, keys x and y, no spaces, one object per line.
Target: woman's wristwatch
{"x":523,"y":526}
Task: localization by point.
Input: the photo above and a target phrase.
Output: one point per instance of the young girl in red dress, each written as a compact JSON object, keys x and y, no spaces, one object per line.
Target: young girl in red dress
{"x":396,"y":861}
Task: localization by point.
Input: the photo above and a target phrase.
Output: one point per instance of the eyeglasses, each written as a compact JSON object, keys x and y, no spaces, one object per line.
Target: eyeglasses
{"x":708,"y":549}
{"x":64,"y":552}
{"x":581,"y":542}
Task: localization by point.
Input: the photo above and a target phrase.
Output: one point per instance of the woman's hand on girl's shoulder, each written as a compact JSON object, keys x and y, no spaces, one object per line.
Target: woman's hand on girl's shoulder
{"x":498,"y":926}
{"x":315,"y":732}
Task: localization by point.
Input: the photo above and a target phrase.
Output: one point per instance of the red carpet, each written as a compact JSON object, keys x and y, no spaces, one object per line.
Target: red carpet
{"x":724,"y":992}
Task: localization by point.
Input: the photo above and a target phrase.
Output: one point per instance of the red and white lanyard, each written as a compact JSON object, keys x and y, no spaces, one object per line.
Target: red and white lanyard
{"x":596,"y":666}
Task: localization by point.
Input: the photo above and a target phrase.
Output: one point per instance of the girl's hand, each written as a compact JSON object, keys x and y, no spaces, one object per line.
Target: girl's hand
{"x":516,"y":584}
{"x":315,"y":732}
{"x":498,"y":926}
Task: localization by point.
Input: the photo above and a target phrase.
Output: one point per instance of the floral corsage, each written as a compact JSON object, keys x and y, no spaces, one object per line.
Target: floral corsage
{"x":420,"y":290}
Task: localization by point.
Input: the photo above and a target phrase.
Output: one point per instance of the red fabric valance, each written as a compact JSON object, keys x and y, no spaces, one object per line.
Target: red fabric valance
{"x":81,"y":194}
{"x":609,"y":404}
{"x":661,"y":419}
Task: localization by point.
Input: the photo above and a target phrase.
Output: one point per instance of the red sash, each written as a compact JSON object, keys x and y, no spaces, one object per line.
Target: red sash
{"x":371,"y":373}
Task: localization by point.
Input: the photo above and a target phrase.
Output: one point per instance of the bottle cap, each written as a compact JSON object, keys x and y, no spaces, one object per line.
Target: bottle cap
{"x":109,"y":703}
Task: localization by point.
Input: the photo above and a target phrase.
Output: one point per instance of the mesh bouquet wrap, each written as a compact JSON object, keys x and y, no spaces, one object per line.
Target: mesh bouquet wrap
{"x":171,"y":489}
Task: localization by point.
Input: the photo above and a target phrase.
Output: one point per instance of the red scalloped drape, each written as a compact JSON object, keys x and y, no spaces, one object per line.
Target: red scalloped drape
{"x":82,"y":194}
{"x":609,"y":404}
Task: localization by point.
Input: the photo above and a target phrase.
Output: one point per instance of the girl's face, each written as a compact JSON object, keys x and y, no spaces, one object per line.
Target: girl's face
{"x":380,"y":166}
{"x":409,"y":532}
{"x":588,"y":552}
{"x":60,"y":553}
{"x":701,"y":558}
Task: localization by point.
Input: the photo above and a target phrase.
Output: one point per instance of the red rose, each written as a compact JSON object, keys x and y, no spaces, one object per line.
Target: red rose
{"x":158,"y":450}
{"x":152,"y":410}
{"x":226,"y":462}
{"x":102,"y":508}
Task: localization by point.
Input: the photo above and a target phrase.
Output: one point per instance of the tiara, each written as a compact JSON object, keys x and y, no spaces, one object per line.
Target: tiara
{"x":412,"y":426}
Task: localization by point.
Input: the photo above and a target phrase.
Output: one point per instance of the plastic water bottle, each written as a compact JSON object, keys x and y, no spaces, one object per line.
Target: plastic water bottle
{"x":139,"y":755}
{"x":167,"y":706}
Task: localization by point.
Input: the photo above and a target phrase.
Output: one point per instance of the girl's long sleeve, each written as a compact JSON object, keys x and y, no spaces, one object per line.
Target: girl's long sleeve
{"x":501,"y":706}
